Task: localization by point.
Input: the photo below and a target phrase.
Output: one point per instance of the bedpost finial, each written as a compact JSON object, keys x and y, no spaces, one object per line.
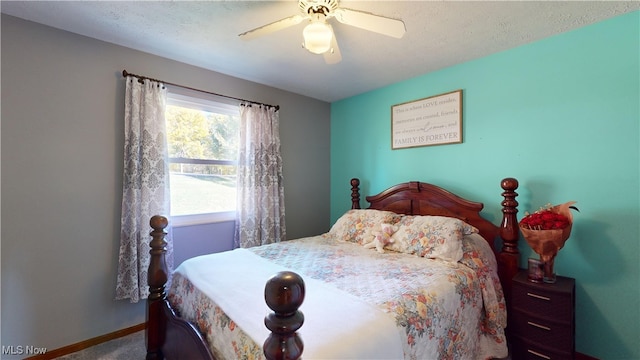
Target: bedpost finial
{"x":509,"y":184}
{"x":158,"y":222}
{"x":509,"y":204}
{"x":284,"y":294}
{"x":355,"y":193}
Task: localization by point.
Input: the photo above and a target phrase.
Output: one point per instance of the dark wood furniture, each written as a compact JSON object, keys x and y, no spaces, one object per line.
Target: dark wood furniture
{"x":169,"y":336}
{"x":542,"y":318}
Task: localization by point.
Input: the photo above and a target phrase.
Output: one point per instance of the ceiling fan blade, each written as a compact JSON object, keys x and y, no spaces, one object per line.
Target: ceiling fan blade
{"x":376,"y":23}
{"x":333,"y":56}
{"x":274,"y":26}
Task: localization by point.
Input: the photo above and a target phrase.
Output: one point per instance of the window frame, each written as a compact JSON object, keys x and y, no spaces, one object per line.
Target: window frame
{"x":178,"y":96}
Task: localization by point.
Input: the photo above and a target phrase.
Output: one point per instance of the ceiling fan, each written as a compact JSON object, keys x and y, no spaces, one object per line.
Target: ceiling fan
{"x":318,"y":34}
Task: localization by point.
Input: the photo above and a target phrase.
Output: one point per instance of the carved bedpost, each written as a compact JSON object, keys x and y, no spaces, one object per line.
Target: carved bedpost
{"x":156,"y":279}
{"x":284,"y":293}
{"x":509,"y":257}
{"x":355,"y":193}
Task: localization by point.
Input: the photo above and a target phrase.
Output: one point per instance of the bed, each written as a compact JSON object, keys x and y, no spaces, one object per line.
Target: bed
{"x":332,"y":297}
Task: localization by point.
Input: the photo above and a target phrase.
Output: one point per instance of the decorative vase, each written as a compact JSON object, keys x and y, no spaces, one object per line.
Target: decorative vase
{"x":549,"y":276}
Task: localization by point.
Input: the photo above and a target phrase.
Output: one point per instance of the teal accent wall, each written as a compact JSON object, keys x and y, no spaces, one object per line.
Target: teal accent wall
{"x":561,"y":115}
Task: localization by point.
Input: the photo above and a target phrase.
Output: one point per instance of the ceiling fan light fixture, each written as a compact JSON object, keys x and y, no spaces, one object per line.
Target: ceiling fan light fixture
{"x":317,"y":37}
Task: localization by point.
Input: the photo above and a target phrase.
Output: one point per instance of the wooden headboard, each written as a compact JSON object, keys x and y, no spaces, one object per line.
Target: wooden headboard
{"x":419,"y":198}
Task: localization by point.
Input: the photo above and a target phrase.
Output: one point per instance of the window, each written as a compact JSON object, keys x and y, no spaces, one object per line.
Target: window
{"x":202,"y":137}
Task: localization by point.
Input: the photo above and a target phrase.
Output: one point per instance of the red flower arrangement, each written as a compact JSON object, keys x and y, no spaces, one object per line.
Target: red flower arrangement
{"x":546,"y":231}
{"x":544,"y":219}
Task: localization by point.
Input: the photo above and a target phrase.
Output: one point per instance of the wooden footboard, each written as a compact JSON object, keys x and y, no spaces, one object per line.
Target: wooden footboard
{"x":170,"y":337}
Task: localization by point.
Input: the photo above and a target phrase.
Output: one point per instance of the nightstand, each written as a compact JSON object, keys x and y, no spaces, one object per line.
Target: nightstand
{"x":542,"y":318}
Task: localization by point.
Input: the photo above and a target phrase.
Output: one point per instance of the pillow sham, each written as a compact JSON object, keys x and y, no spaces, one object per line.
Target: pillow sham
{"x":356,"y":225}
{"x":433,"y":237}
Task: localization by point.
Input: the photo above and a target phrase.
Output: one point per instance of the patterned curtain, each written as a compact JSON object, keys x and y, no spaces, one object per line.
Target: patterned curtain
{"x":260,"y":206}
{"x":145,"y":190}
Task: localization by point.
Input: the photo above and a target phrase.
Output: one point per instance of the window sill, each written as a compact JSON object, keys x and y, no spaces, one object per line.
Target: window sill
{"x":201,"y":219}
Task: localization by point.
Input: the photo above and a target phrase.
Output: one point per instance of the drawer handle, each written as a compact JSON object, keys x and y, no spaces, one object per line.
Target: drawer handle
{"x":539,"y":326}
{"x":538,"y":296}
{"x":538,"y":354}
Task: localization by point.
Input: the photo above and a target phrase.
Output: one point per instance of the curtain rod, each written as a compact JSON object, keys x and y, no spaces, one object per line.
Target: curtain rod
{"x":125,"y":73}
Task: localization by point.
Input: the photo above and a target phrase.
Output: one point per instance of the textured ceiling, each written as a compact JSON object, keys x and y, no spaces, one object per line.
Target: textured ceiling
{"x":205,"y":34}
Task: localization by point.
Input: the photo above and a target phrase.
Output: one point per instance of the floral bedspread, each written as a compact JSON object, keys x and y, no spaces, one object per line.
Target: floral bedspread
{"x":444,"y":310}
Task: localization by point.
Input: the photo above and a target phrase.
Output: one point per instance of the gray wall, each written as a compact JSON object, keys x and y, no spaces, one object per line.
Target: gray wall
{"x":62,"y":138}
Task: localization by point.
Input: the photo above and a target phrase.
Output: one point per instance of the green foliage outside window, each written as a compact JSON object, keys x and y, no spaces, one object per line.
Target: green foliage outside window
{"x":201,"y":135}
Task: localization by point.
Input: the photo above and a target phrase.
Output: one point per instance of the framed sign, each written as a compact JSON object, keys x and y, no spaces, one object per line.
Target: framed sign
{"x":435,"y":120}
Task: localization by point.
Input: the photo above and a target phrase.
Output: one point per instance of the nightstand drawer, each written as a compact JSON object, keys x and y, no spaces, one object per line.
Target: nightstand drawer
{"x":547,"y":333}
{"x":524,"y":350}
{"x":546,"y":304}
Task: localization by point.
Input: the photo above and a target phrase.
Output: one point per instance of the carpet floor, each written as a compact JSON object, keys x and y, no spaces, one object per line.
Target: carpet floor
{"x":128,"y":347}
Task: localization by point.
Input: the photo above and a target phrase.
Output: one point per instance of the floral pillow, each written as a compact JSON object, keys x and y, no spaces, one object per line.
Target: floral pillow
{"x":434,"y":237}
{"x":356,"y":225}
